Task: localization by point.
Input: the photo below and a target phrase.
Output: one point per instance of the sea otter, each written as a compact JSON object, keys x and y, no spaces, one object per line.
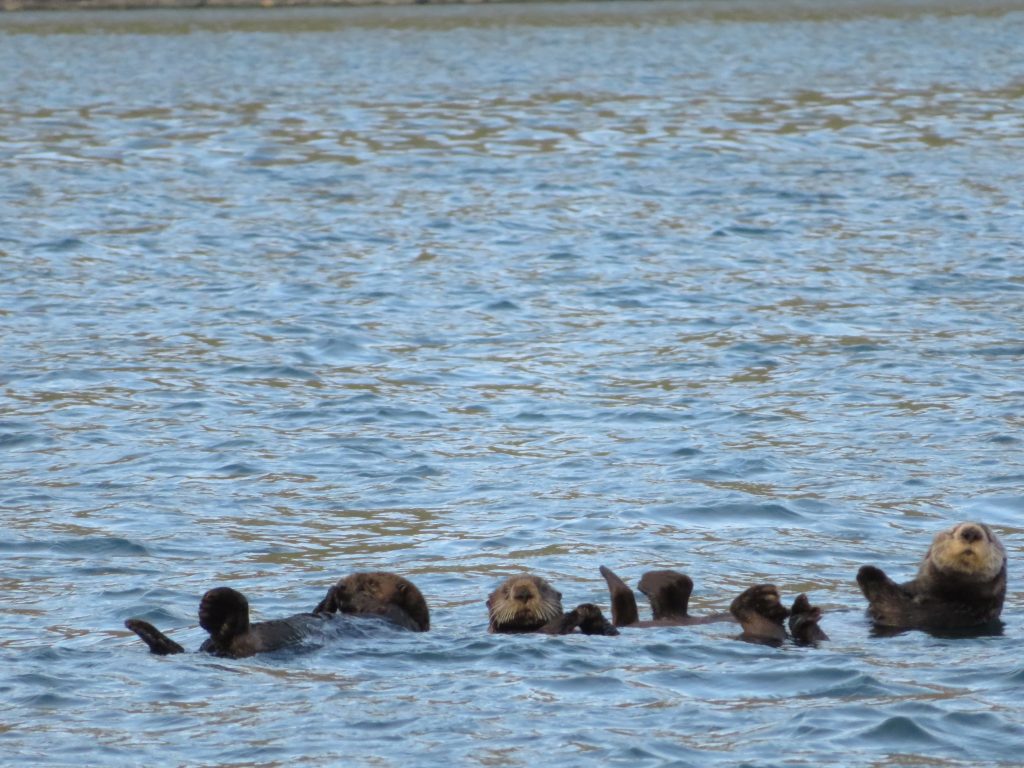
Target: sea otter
{"x":961,"y":583}
{"x":758,"y":609}
{"x":760,"y":612}
{"x":224,"y":613}
{"x":378,"y":593}
{"x":668,"y":593}
{"x":528,"y":603}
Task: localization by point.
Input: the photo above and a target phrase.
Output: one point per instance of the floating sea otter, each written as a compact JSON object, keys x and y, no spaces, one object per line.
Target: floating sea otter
{"x":961,"y":583}
{"x":224,"y":613}
{"x":528,"y":603}
{"x":378,"y":594}
{"x":758,"y":609}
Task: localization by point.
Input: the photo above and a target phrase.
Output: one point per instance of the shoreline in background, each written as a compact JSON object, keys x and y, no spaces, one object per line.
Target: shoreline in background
{"x":754,"y":8}
{"x":133,"y":5}
{"x":126,"y":5}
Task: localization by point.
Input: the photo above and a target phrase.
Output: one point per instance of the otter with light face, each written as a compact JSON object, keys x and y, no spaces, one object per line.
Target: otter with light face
{"x":528,"y":603}
{"x":961,"y":583}
{"x":758,"y":610}
{"x":224,"y":613}
{"x":378,"y":593}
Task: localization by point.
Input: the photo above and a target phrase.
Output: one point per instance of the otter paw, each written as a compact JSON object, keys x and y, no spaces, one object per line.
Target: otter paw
{"x":874,"y":583}
{"x":869,"y":574}
{"x":803,"y":622}
{"x":592,"y":622}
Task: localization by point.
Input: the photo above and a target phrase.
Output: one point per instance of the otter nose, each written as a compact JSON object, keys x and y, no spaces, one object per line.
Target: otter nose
{"x":522,"y":594}
{"x":971,"y":534}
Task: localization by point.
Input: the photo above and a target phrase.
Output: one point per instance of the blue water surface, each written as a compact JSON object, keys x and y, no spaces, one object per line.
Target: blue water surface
{"x":729,"y":287}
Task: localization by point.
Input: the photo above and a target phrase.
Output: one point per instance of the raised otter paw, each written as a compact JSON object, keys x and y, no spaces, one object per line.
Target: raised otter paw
{"x":874,"y":583}
{"x":760,"y":612}
{"x":869,"y":574}
{"x":803,"y":622}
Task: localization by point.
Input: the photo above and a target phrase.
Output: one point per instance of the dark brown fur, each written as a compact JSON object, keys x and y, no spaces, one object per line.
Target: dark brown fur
{"x":803,"y":622}
{"x":960,"y":584}
{"x":758,"y":609}
{"x":378,"y":593}
{"x":760,"y":612}
{"x":224,"y":613}
{"x":668,"y":593}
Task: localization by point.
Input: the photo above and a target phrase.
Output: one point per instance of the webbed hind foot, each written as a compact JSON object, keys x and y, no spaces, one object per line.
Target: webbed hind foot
{"x":158,"y":642}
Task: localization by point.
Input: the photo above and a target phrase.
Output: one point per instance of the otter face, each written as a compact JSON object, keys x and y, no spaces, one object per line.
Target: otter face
{"x":224,"y":613}
{"x":523,"y":604}
{"x":373,"y":593}
{"x":968,"y":549}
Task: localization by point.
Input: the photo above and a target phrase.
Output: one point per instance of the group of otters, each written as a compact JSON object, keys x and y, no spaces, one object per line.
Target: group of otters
{"x":960,"y":584}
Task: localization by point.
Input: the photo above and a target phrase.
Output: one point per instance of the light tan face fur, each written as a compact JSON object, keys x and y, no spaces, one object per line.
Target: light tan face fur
{"x":523,"y":600}
{"x":968,"y":548}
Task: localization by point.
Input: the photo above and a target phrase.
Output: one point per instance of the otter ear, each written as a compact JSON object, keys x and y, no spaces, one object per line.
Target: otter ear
{"x":558,"y":594}
{"x":403,"y":588}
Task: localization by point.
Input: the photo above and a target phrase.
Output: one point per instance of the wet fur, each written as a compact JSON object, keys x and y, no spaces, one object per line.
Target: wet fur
{"x":961,"y":583}
{"x":378,"y":593}
{"x":224,"y":613}
{"x":758,"y":610}
{"x":669,"y":596}
{"x":803,"y":622}
{"x":528,"y":603}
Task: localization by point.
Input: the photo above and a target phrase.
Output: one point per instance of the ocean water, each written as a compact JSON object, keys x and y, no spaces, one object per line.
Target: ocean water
{"x":458,"y":292}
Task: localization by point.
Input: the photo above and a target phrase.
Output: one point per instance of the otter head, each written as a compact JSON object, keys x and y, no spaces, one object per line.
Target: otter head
{"x":967,"y":551}
{"x":523,"y":604}
{"x":224,"y":613}
{"x":375,"y":593}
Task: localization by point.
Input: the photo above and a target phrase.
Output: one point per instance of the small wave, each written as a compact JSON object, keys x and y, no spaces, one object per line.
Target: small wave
{"x":727,"y":513}
{"x":901,"y":732}
{"x":114,"y":546}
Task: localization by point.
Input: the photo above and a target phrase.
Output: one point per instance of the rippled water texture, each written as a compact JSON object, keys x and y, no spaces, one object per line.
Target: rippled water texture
{"x":455,"y":292}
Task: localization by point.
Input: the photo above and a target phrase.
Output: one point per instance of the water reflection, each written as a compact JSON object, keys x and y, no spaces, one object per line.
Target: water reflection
{"x":460,"y":292}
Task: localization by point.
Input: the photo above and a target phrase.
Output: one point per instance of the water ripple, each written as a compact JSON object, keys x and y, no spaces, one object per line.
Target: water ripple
{"x":460,"y":292}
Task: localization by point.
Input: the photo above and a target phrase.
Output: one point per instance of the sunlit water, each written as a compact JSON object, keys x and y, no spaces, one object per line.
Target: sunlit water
{"x":455,"y":292}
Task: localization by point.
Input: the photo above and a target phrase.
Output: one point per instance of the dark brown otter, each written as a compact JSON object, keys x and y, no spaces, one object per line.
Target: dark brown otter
{"x":378,"y":593}
{"x":761,"y":614}
{"x":758,"y":609}
{"x":960,"y":584}
{"x":528,"y":603}
{"x":224,"y":613}
{"x":668,"y":593}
